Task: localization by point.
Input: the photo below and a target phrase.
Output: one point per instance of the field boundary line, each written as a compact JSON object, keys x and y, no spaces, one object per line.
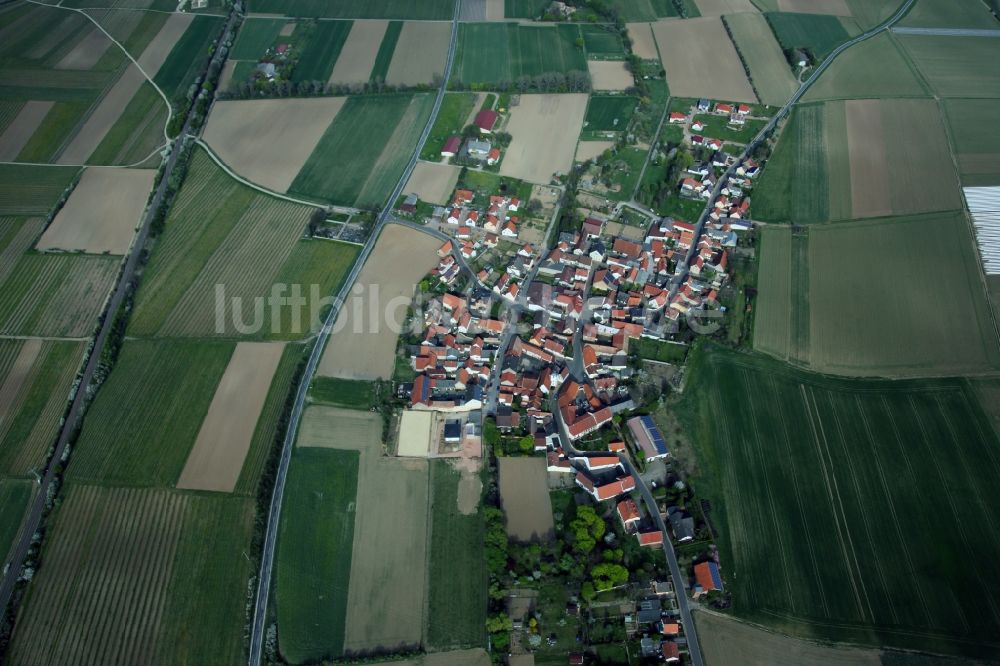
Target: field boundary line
{"x":829,"y":493}
{"x":798,"y":498}
{"x":170,"y":110}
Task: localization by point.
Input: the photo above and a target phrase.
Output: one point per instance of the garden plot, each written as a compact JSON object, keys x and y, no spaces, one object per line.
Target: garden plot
{"x":524,"y":492}
{"x":363,"y":342}
{"x":357,"y":58}
{"x":432,"y":182}
{"x":420,"y":53}
{"x":102,"y":213}
{"x":268,"y":141}
{"x":225,"y":435}
{"x":689,"y":49}
{"x":545,"y":129}
{"x":609,"y":75}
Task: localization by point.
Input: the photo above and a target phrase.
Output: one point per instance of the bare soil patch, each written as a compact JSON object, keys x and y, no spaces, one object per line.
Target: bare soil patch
{"x":432,"y":182}
{"x":357,"y":58}
{"x":524,"y":492}
{"x":869,"y":166}
{"x":834,"y":7}
{"x":545,"y":129}
{"x":102,"y":212}
{"x":701,"y":61}
{"x":725,"y":640}
{"x":287,"y":29}
{"x":470,"y":489}
{"x":609,"y":75}
{"x":643,"y":43}
{"x":420,"y":53}
{"x":14,"y":380}
{"x":414,"y":434}
{"x":720,"y":7}
{"x":216,"y":459}
{"x":363,"y":344}
{"x":268,"y":141}
{"x":87,"y":51}
{"x":226,"y":78}
{"x":20,"y":130}
{"x":588,"y":150}
{"x":156,"y":52}
{"x":103,"y":117}
{"x":494,"y":10}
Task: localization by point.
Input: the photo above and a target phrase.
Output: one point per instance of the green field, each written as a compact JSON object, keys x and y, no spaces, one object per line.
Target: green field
{"x":14,"y":497}
{"x":850,"y":298}
{"x":610,"y":113}
{"x":455,"y":108}
{"x":313,"y":562}
{"x":147,"y":416}
{"x":138,"y":132}
{"x":851,"y":75}
{"x":256,"y":36}
{"x":956,"y":66}
{"x":717,"y":127}
{"x":350,"y":393}
{"x":820,"y":33}
{"x":431,"y":10}
{"x":602,"y":41}
{"x":644,"y":10}
{"x":158,"y":559}
{"x":189,"y":56}
{"x":971,"y":14}
{"x":458,"y":581}
{"x":220,"y":232}
{"x":320,"y":53}
{"x":515,"y":51}
{"x":657,"y":350}
{"x":769,"y":70}
{"x":824,"y":492}
{"x":385,"y":50}
{"x":528,"y":9}
{"x":976,"y":149}
{"x":32,"y":422}
{"x":380,"y":133}
{"x":33,"y":190}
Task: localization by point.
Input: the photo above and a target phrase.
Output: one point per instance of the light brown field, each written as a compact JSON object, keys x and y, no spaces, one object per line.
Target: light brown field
{"x":643,"y":43}
{"x":701,"y":61}
{"x":357,"y":58}
{"x":154,"y":55}
{"x":414,"y":434}
{"x":834,"y":7}
{"x":609,"y":75}
{"x":869,"y":167}
{"x":216,"y":459}
{"x":470,"y":489}
{"x":387,"y":588}
{"x":420,"y":53}
{"x":102,"y":212}
{"x":17,"y":134}
{"x":432,"y":182}
{"x":335,"y":428}
{"x":103,"y":118}
{"x":521,"y":660}
{"x":545,"y":129}
{"x":725,"y":640}
{"x":87,"y":51}
{"x":588,"y":150}
{"x":267,"y":141}
{"x":226,"y":78}
{"x":14,"y":381}
{"x":287,"y":29}
{"x":524,"y":492}
{"x":363,"y":343}
{"x":720,"y":7}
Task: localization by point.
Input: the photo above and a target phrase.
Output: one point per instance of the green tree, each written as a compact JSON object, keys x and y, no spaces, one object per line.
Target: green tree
{"x":526,"y":443}
{"x":588,"y":528}
{"x":499,"y":622}
{"x":588,"y":592}
{"x":608,"y":575}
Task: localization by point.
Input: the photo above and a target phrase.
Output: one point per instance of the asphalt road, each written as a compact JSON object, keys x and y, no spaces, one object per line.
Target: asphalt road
{"x":76,"y":411}
{"x":274,"y":515}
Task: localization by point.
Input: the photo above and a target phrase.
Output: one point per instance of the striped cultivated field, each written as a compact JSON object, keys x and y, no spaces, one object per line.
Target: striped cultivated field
{"x":220,"y":232}
{"x":769,"y":70}
{"x":518,"y":50}
{"x":32,"y":190}
{"x":146,"y":417}
{"x":852,"y":76}
{"x":126,"y":570}
{"x":35,"y":381}
{"x":824,"y":492}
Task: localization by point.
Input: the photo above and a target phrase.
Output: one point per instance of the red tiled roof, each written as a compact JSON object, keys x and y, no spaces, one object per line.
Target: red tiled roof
{"x":486,"y":119}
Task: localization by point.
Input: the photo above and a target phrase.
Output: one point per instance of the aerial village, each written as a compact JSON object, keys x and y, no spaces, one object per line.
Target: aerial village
{"x":538,"y":339}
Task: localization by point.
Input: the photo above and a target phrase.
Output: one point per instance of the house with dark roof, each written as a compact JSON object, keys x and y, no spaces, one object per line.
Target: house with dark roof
{"x":451,"y":146}
{"x":485,"y":120}
{"x":681,"y":524}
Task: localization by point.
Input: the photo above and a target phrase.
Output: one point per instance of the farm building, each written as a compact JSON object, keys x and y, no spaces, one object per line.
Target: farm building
{"x":451,"y":146}
{"x":647,"y":436}
{"x":478,"y":149}
{"x":486,"y":120}
{"x":707,"y":578}
{"x":409,"y":205}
